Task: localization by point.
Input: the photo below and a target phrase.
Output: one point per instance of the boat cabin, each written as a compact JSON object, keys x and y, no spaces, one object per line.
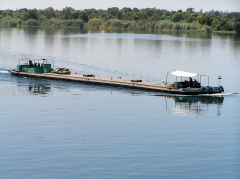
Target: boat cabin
{"x":187,"y":79}
{"x":191,"y":83}
{"x":34,"y":66}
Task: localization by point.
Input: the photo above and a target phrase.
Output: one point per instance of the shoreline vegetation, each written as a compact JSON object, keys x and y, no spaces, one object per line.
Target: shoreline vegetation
{"x":115,"y":19}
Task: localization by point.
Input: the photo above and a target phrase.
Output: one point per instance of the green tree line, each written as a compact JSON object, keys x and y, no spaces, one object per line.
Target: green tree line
{"x":124,"y":19}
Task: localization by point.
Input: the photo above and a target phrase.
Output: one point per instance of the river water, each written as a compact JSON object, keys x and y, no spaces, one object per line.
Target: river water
{"x":53,"y":129}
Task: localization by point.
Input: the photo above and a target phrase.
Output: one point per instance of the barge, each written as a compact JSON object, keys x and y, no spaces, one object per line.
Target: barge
{"x":190,"y":86}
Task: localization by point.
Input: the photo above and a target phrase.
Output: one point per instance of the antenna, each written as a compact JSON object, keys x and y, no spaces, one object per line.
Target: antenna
{"x":219,"y":79}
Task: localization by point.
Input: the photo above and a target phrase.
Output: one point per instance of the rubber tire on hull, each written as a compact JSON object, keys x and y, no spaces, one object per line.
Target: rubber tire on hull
{"x":210,"y":90}
{"x":221,"y":89}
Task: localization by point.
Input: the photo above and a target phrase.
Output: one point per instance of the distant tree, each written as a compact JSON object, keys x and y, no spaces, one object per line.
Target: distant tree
{"x":192,"y":17}
{"x":49,"y":12}
{"x":9,"y":13}
{"x":189,"y":10}
{"x":166,"y":14}
{"x":113,"y":12}
{"x":102,"y":14}
{"x":32,"y":22}
{"x":218,"y":23}
{"x":31,"y":14}
{"x":205,"y":19}
{"x":158,"y":15}
{"x":236,"y":25}
{"x":135,"y":10}
{"x":92,"y":13}
{"x":23,"y":10}
{"x":177,"y":17}
{"x":136,"y":16}
{"x":74,"y":14}
{"x":143,"y":14}
{"x":83,"y":16}
{"x":149,"y":13}
{"x":126,"y":13}
{"x":66,"y":12}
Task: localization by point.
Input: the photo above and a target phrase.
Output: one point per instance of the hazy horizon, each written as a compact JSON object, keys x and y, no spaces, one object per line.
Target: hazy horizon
{"x":205,"y":5}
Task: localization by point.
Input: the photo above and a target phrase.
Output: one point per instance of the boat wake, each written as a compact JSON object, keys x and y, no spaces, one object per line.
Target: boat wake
{"x":219,"y":94}
{"x":4,"y":71}
{"x":200,"y":95}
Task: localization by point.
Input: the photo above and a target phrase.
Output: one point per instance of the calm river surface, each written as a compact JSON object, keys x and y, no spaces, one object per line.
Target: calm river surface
{"x":53,"y":129}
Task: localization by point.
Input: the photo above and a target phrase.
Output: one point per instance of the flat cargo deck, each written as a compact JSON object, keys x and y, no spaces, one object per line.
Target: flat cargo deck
{"x":118,"y":82}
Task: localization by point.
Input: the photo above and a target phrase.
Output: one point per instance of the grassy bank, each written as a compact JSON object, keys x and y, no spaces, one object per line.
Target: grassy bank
{"x":128,"y":19}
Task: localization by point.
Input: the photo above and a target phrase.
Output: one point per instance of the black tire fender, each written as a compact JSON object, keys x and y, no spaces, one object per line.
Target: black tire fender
{"x":210,"y":90}
{"x":221,"y":89}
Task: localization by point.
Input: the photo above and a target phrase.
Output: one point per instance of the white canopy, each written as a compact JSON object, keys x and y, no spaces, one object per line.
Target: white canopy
{"x":183,"y":74}
{"x":185,"y":111}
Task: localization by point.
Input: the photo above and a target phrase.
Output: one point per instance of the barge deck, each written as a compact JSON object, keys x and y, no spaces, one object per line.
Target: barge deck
{"x":117,"y":82}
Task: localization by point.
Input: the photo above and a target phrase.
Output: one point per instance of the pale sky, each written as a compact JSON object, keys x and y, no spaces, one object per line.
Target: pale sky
{"x":225,"y":5}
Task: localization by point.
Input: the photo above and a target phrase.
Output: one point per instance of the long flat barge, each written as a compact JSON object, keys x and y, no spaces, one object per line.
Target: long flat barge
{"x":45,"y":70}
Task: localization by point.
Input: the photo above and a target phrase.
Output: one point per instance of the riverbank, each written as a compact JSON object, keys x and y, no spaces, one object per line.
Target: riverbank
{"x":110,"y":25}
{"x":126,"y":19}
{"x":116,"y":25}
{"x":159,"y":26}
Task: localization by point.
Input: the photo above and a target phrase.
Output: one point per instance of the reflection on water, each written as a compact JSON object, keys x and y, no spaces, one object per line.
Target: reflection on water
{"x":179,"y":105}
{"x":39,"y":89}
{"x":35,"y":87}
{"x":193,"y":105}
